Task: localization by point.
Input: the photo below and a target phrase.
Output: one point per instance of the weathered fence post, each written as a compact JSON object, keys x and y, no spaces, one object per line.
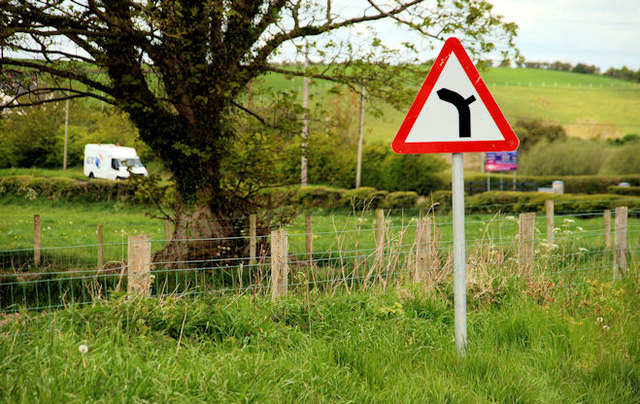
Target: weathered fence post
{"x":139,"y":266}
{"x":423,"y":250}
{"x":36,"y":240}
{"x":607,"y":228}
{"x":279,"y":263}
{"x":549,"y":208}
{"x":379,"y":224}
{"x":620,"y":243}
{"x":308,"y":227}
{"x":100,"y":239}
{"x":527,"y":243}
{"x":253,"y":242}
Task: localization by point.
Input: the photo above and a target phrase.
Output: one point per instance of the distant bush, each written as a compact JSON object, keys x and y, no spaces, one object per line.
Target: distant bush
{"x":401,"y":200}
{"x":438,"y":201}
{"x":363,"y":198}
{"x":62,"y":188}
{"x":623,"y":159}
{"x":520,"y":202}
{"x":631,"y":191}
{"x":319,"y":197}
{"x":383,"y":169}
{"x":569,"y":157}
{"x":532,"y":132}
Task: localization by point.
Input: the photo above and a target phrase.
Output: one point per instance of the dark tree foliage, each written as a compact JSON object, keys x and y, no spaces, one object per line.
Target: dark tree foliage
{"x":180,"y":69}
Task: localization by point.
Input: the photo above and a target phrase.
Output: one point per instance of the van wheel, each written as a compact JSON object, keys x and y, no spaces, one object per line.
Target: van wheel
{"x":90,"y":176}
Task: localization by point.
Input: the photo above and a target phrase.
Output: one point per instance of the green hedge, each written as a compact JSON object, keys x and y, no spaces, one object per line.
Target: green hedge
{"x":577,"y":184}
{"x":629,"y":191}
{"x":401,"y":200}
{"x":318,"y":196}
{"x":363,"y":198}
{"x":63,"y":188}
{"x":521,"y":202}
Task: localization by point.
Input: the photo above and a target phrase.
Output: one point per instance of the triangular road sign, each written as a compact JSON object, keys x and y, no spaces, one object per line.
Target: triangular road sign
{"x":454,"y":111}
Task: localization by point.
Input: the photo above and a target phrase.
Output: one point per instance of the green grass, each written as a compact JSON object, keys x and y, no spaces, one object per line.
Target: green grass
{"x":73,"y":223}
{"x":365,"y":347}
{"x":74,"y":172}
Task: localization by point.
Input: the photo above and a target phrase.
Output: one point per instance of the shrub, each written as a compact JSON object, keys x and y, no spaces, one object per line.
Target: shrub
{"x":63,"y":188}
{"x":319,"y":197}
{"x":383,"y":169}
{"x":569,"y":157}
{"x":401,"y":200}
{"x":521,"y":202}
{"x":615,"y":189}
{"x":624,"y":159}
{"x":363,"y":198}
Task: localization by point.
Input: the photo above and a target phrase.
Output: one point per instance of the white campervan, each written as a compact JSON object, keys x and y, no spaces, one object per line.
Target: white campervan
{"x":112,"y":162}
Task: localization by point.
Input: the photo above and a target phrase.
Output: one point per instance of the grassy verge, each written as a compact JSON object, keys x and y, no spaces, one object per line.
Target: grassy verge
{"x":560,"y":345}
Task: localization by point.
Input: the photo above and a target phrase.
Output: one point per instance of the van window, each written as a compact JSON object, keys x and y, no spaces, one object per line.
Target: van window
{"x":131,"y":163}
{"x":114,"y":164}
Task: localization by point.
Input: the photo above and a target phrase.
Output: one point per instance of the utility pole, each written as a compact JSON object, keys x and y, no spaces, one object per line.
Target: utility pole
{"x":305,"y":120}
{"x":360,"y":135}
{"x":66,"y":135}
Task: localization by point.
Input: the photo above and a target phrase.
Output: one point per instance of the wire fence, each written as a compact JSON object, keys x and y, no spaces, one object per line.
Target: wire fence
{"x":342,"y":252}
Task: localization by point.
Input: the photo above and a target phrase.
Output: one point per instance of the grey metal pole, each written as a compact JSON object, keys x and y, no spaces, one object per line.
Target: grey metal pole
{"x":459,"y":254}
{"x":66,"y":135}
{"x":360,"y":136}
{"x":305,"y":121}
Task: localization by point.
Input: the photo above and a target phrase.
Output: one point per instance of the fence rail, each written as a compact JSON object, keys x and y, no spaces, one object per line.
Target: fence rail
{"x":352,"y":251}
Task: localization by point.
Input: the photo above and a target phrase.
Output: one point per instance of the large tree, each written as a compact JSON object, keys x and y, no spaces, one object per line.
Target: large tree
{"x":180,"y":68}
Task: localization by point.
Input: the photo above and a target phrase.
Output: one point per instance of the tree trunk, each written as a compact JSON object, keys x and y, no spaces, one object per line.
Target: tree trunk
{"x":202,"y":235}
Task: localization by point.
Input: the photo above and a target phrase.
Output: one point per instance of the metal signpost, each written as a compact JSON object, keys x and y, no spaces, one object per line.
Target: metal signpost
{"x":454,"y":112}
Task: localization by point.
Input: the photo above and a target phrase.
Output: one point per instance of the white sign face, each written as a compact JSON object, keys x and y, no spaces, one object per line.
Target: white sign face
{"x":439,"y":120}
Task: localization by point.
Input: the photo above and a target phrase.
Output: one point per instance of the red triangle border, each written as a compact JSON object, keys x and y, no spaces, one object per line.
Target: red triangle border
{"x":510,"y":142}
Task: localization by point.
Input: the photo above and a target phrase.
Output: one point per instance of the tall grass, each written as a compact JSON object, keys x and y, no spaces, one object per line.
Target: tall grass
{"x":373,"y":346}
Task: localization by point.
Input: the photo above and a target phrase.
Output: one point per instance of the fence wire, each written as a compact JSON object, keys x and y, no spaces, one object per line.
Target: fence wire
{"x":344,"y":255}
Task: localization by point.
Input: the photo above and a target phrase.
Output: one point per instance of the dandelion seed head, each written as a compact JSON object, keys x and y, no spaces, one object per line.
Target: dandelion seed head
{"x":83,"y":349}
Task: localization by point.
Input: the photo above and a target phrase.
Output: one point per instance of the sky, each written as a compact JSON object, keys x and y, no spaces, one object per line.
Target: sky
{"x":605,"y":33}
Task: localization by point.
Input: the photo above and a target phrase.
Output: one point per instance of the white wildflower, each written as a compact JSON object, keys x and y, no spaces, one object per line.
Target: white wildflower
{"x":600,"y":319}
{"x":605,"y":327}
{"x":83,"y":349}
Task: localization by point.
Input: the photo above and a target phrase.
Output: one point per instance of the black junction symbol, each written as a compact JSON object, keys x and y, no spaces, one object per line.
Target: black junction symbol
{"x":462,"y":105}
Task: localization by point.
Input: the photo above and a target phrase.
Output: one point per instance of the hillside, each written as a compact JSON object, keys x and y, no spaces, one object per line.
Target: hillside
{"x":586,"y":106}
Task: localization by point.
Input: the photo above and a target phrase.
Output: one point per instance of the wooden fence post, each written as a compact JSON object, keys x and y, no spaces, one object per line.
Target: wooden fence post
{"x":279,"y":263}
{"x":380,"y":226}
{"x":620,"y":243}
{"x":527,"y":243}
{"x":607,"y":228}
{"x":308,"y":228}
{"x":423,"y":250}
{"x":549,"y":208}
{"x":36,"y":240}
{"x":100,"y":239}
{"x":253,"y":242}
{"x":139,"y":266}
